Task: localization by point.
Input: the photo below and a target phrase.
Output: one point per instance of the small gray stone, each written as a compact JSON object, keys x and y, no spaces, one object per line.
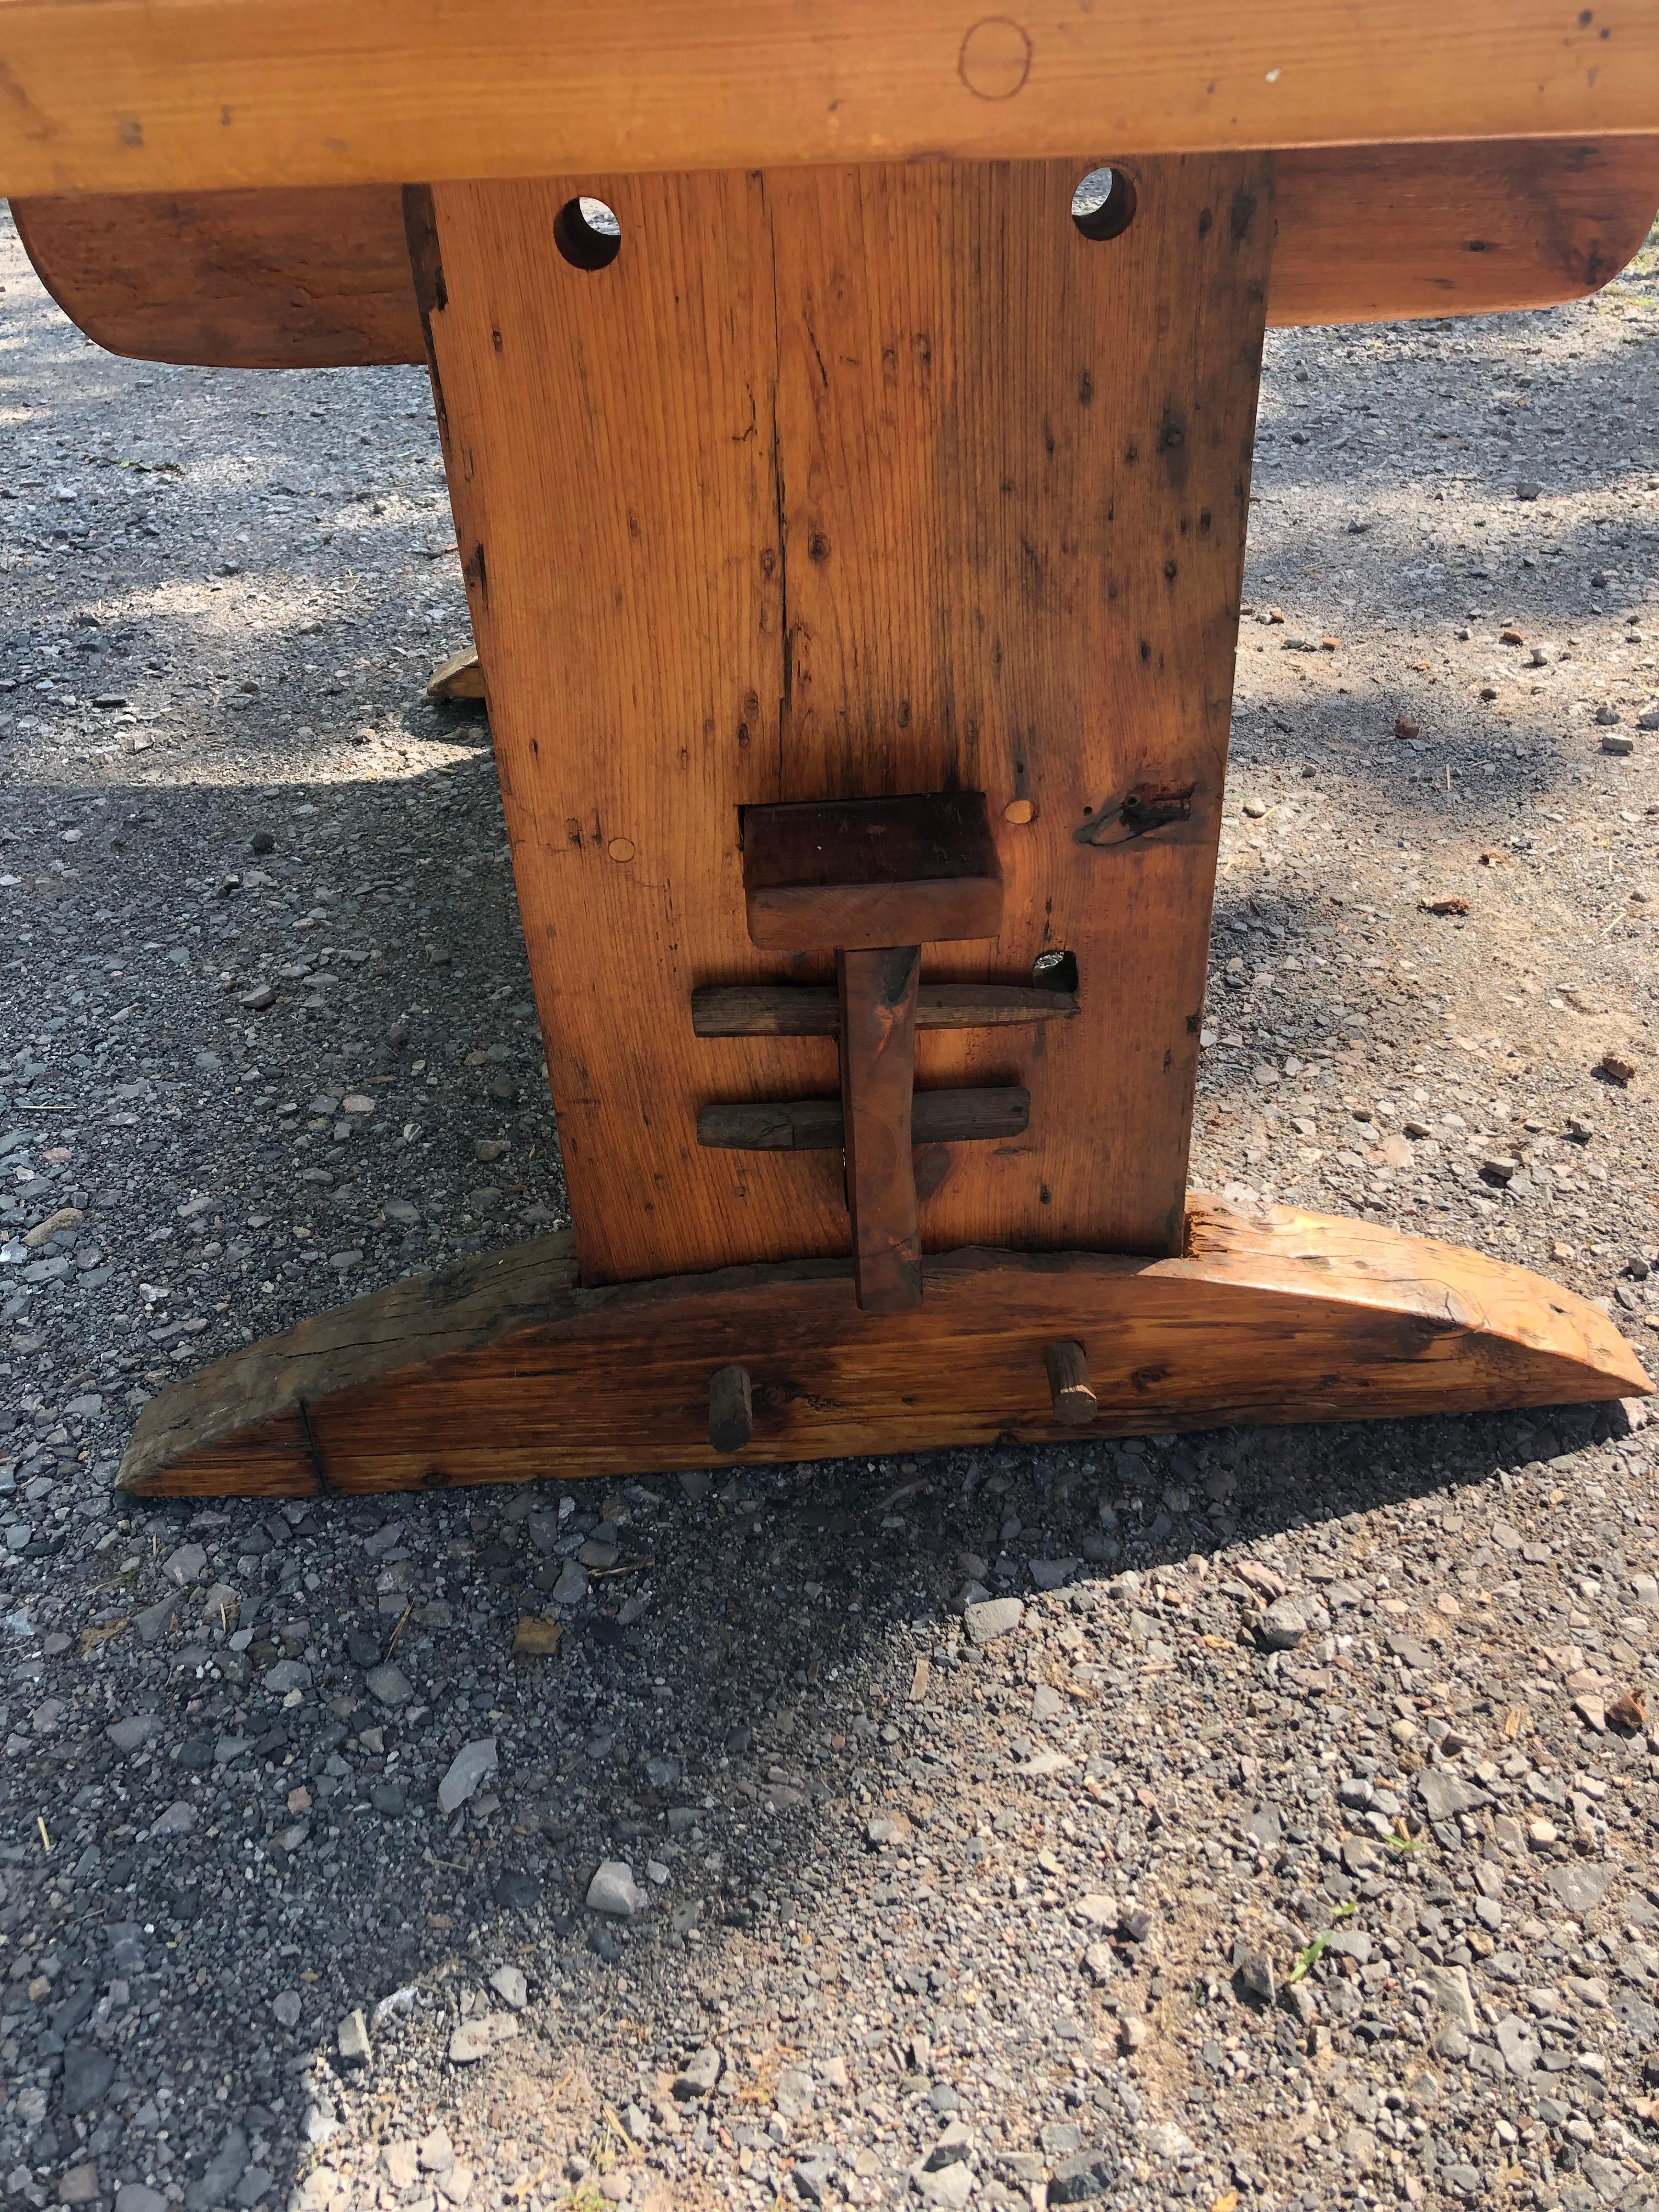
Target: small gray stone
{"x":471,"y":1763}
{"x":951,"y":2187}
{"x":183,"y":1566}
{"x":1167,"y":2141}
{"x":1450,"y":1985}
{"x":287,"y":1674}
{"x":475,"y":2039}
{"x":1281,"y":1628}
{"x":699,"y":2075}
{"x":812,"y":2176}
{"x":132,"y":1734}
{"x":1579,"y":1886}
{"x":994,"y":1617}
{"x":613,"y":1891}
{"x":221,"y":2175}
{"x":571,"y":1588}
{"x":351,"y":2038}
{"x":1255,"y":1970}
{"x":1444,"y":1795}
{"x":1519,"y":2045}
{"x":952,"y":2146}
{"x":133,"y":2197}
{"x":288,"y":2006}
{"x":389,"y":1684}
{"x":1053,"y":1574}
{"x":87,"y":2072}
{"x":793,"y":2094}
{"x":510,"y":1986}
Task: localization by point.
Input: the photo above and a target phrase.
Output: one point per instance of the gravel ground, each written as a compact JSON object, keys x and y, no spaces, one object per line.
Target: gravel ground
{"x":1251,"y":1818}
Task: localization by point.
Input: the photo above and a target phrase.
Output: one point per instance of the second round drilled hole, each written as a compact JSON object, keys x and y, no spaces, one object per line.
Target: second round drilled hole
{"x":1103,"y":203}
{"x":587,"y":234}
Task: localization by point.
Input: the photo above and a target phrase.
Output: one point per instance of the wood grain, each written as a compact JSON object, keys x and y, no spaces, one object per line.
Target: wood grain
{"x":847,"y":530}
{"x":878,"y":991}
{"x":167,"y":95}
{"x":1390,"y":234}
{"x":1366,"y":234}
{"x":723,"y":1010}
{"x":503,"y":1369}
{"x":309,"y":279}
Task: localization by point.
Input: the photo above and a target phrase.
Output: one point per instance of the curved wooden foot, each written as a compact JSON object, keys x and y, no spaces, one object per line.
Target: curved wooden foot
{"x":502,"y":1369}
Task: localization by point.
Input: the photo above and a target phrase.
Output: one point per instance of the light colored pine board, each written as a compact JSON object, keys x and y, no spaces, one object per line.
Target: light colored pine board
{"x":502,"y":1370}
{"x":848,"y":529}
{"x":167,"y":95}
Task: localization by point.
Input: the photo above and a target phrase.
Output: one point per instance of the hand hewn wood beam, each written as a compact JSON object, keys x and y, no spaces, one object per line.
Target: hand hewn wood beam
{"x":502,"y":1369}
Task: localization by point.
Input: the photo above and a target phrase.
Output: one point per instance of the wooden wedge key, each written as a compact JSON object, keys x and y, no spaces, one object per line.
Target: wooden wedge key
{"x":871,"y":879}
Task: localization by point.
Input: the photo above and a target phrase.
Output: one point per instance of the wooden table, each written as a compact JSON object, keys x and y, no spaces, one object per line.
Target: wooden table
{"x":853,"y":517}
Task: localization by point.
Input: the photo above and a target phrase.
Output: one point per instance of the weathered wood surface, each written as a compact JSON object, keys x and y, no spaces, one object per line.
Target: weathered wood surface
{"x":1388,"y":234}
{"x":503,"y":1369}
{"x":872,"y":482}
{"x":311,"y":279}
{"x":818,"y":1125}
{"x":728,"y":1010}
{"x":319,"y":278}
{"x":165,"y":96}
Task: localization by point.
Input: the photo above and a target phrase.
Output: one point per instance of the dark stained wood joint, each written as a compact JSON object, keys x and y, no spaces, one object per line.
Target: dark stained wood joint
{"x":733,"y":1010}
{"x":858,"y":874}
{"x":817,"y":1125}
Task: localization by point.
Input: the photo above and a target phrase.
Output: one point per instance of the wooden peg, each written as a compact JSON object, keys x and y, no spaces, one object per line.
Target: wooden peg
{"x":1068,"y":1383}
{"x":730,"y":1409}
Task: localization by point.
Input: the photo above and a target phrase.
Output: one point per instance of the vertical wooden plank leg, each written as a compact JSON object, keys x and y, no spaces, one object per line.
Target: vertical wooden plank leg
{"x":877,"y":1076}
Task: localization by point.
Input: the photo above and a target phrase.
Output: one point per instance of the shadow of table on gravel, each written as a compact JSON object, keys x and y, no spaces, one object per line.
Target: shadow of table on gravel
{"x":870,"y":1857}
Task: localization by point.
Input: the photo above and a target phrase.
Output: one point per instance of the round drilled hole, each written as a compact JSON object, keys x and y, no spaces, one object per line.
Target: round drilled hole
{"x":587,"y":234}
{"x":1103,"y":203}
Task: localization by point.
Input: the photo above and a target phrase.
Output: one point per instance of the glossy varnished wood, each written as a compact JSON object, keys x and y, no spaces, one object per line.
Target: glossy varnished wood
{"x":163,"y":95}
{"x":871,"y":481}
{"x":1366,"y":234}
{"x":504,"y":1368}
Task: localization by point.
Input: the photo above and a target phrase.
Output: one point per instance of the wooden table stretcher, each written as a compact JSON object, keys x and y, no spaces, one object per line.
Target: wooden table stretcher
{"x":848,"y":408}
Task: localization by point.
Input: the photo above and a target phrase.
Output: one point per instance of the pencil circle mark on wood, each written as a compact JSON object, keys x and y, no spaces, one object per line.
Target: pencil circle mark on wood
{"x":995,"y":58}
